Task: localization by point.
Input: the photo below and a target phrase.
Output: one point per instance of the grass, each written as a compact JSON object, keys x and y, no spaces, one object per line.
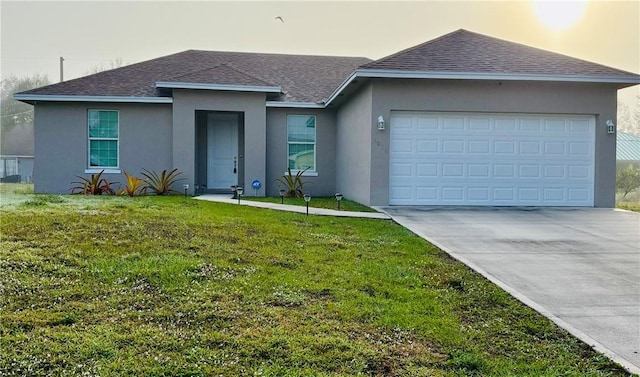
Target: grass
{"x":170,"y":286}
{"x":631,"y":202}
{"x":316,"y":202}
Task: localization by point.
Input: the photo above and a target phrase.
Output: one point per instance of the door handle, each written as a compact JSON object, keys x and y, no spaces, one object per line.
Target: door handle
{"x":235,"y":165}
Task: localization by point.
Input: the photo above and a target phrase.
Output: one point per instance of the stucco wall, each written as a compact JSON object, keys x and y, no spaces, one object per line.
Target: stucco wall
{"x":325,"y":183}
{"x":493,"y":96}
{"x":252,"y":105}
{"x":61,"y":142}
{"x":355,"y":124}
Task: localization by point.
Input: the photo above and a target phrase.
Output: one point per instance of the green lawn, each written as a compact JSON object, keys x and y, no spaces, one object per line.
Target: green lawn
{"x":316,"y":202}
{"x":631,"y":202}
{"x":170,"y":286}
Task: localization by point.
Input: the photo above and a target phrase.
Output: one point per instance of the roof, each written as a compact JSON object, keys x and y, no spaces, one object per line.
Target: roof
{"x":303,"y":78}
{"x":315,"y":81}
{"x":627,"y":147}
{"x":465,"y":51}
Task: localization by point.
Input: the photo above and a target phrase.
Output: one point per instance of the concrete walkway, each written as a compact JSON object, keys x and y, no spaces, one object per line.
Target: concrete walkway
{"x":580,"y":267}
{"x":226,"y":198}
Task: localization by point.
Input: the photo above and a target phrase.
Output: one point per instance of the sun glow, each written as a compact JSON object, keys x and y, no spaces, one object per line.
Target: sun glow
{"x":560,"y":15}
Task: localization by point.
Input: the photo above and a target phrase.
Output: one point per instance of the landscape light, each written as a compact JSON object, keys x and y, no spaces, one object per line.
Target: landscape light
{"x":307,"y":198}
{"x":186,"y":188}
{"x":239,"y":191}
{"x":339,"y":199}
{"x":282,"y":191}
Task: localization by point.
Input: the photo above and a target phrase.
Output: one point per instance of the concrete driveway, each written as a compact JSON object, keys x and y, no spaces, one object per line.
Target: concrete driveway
{"x":579,"y":267}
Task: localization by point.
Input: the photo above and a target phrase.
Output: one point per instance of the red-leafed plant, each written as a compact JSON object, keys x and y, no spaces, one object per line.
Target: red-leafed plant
{"x":96,"y":185}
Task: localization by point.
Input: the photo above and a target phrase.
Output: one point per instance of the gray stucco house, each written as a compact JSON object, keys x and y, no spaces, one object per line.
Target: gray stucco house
{"x":464,"y":119}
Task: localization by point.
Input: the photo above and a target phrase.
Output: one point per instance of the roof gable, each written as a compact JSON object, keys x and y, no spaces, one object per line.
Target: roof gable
{"x":465,"y":51}
{"x":224,"y":74}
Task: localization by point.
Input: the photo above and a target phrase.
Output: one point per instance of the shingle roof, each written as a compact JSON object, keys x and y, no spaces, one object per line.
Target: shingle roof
{"x":627,"y":147}
{"x":223,"y":74}
{"x":465,"y":51}
{"x":303,"y":78}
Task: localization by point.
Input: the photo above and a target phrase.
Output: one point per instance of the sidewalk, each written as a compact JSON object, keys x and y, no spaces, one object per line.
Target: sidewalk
{"x":226,"y":198}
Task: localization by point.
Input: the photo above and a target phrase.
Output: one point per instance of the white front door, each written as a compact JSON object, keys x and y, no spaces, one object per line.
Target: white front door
{"x":222,"y":151}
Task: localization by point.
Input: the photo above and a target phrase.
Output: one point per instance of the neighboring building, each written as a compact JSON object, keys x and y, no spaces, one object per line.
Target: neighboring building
{"x":16,"y":154}
{"x":464,"y":119}
{"x":627,"y":151}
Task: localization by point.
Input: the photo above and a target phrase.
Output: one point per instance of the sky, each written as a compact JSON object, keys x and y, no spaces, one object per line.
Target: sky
{"x":89,"y":34}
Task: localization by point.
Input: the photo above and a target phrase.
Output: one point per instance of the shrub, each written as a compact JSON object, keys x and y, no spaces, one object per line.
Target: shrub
{"x":134,"y":186}
{"x":161,"y":183}
{"x":627,"y":180}
{"x":293,"y":185}
{"x":96,"y":185}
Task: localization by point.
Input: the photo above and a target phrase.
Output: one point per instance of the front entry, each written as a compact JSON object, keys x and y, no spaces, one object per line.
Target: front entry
{"x":222,"y":151}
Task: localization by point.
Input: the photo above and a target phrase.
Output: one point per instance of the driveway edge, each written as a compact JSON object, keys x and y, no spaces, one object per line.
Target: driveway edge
{"x":631,"y":368}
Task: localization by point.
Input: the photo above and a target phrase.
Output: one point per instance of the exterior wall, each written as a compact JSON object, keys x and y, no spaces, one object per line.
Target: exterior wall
{"x":185,"y":104}
{"x":61,"y":142}
{"x":484,"y":96}
{"x":325,"y":183}
{"x":354,"y":141}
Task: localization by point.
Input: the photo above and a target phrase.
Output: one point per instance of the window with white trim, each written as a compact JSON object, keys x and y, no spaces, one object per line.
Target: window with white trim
{"x":103,"y":138}
{"x":301,"y":140}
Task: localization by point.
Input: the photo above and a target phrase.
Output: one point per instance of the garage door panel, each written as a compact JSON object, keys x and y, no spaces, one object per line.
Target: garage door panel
{"x":491,"y":159}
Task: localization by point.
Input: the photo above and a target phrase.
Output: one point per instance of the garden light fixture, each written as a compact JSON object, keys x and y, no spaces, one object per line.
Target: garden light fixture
{"x":307,"y":198}
{"x":239,"y":191}
{"x":339,"y":199}
{"x":282,"y":191}
{"x":186,"y":188}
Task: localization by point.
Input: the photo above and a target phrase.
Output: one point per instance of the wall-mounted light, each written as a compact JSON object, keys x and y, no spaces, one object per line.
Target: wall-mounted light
{"x":611,"y":127}
{"x":380,"y":123}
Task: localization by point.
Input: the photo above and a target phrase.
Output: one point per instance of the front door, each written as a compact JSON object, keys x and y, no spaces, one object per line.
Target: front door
{"x":222,"y":151}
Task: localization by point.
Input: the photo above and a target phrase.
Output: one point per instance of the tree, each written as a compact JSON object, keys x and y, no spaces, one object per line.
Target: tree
{"x":627,"y":180}
{"x":15,"y":112}
{"x":629,"y":118}
{"x":113,"y":64}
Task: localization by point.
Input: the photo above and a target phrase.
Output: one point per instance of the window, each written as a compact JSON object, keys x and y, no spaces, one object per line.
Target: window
{"x":301,"y":140}
{"x":103,"y":138}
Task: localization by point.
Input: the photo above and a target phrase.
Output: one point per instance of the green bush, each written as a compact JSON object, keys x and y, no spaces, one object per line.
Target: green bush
{"x":627,"y":180}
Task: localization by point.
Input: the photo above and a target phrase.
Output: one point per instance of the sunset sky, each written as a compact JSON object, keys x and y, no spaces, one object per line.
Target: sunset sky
{"x":90,"y":34}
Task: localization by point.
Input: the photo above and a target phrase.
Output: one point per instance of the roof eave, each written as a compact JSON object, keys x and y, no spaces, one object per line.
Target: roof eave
{"x":628,"y":80}
{"x":222,"y":87}
{"x":392,"y":73}
{"x":301,"y":105}
{"x":29,"y":98}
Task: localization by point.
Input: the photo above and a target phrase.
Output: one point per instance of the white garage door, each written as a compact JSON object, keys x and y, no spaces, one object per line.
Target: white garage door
{"x":491,"y":159}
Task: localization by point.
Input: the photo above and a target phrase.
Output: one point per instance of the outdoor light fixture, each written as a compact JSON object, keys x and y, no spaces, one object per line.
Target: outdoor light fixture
{"x":282,"y":191}
{"x":307,"y":198}
{"x":239,"y":191}
{"x":186,"y":188}
{"x":611,"y":128}
{"x":380,"y":123}
{"x":339,"y":199}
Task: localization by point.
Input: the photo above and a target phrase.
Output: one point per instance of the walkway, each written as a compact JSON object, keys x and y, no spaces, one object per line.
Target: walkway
{"x":225,"y":198}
